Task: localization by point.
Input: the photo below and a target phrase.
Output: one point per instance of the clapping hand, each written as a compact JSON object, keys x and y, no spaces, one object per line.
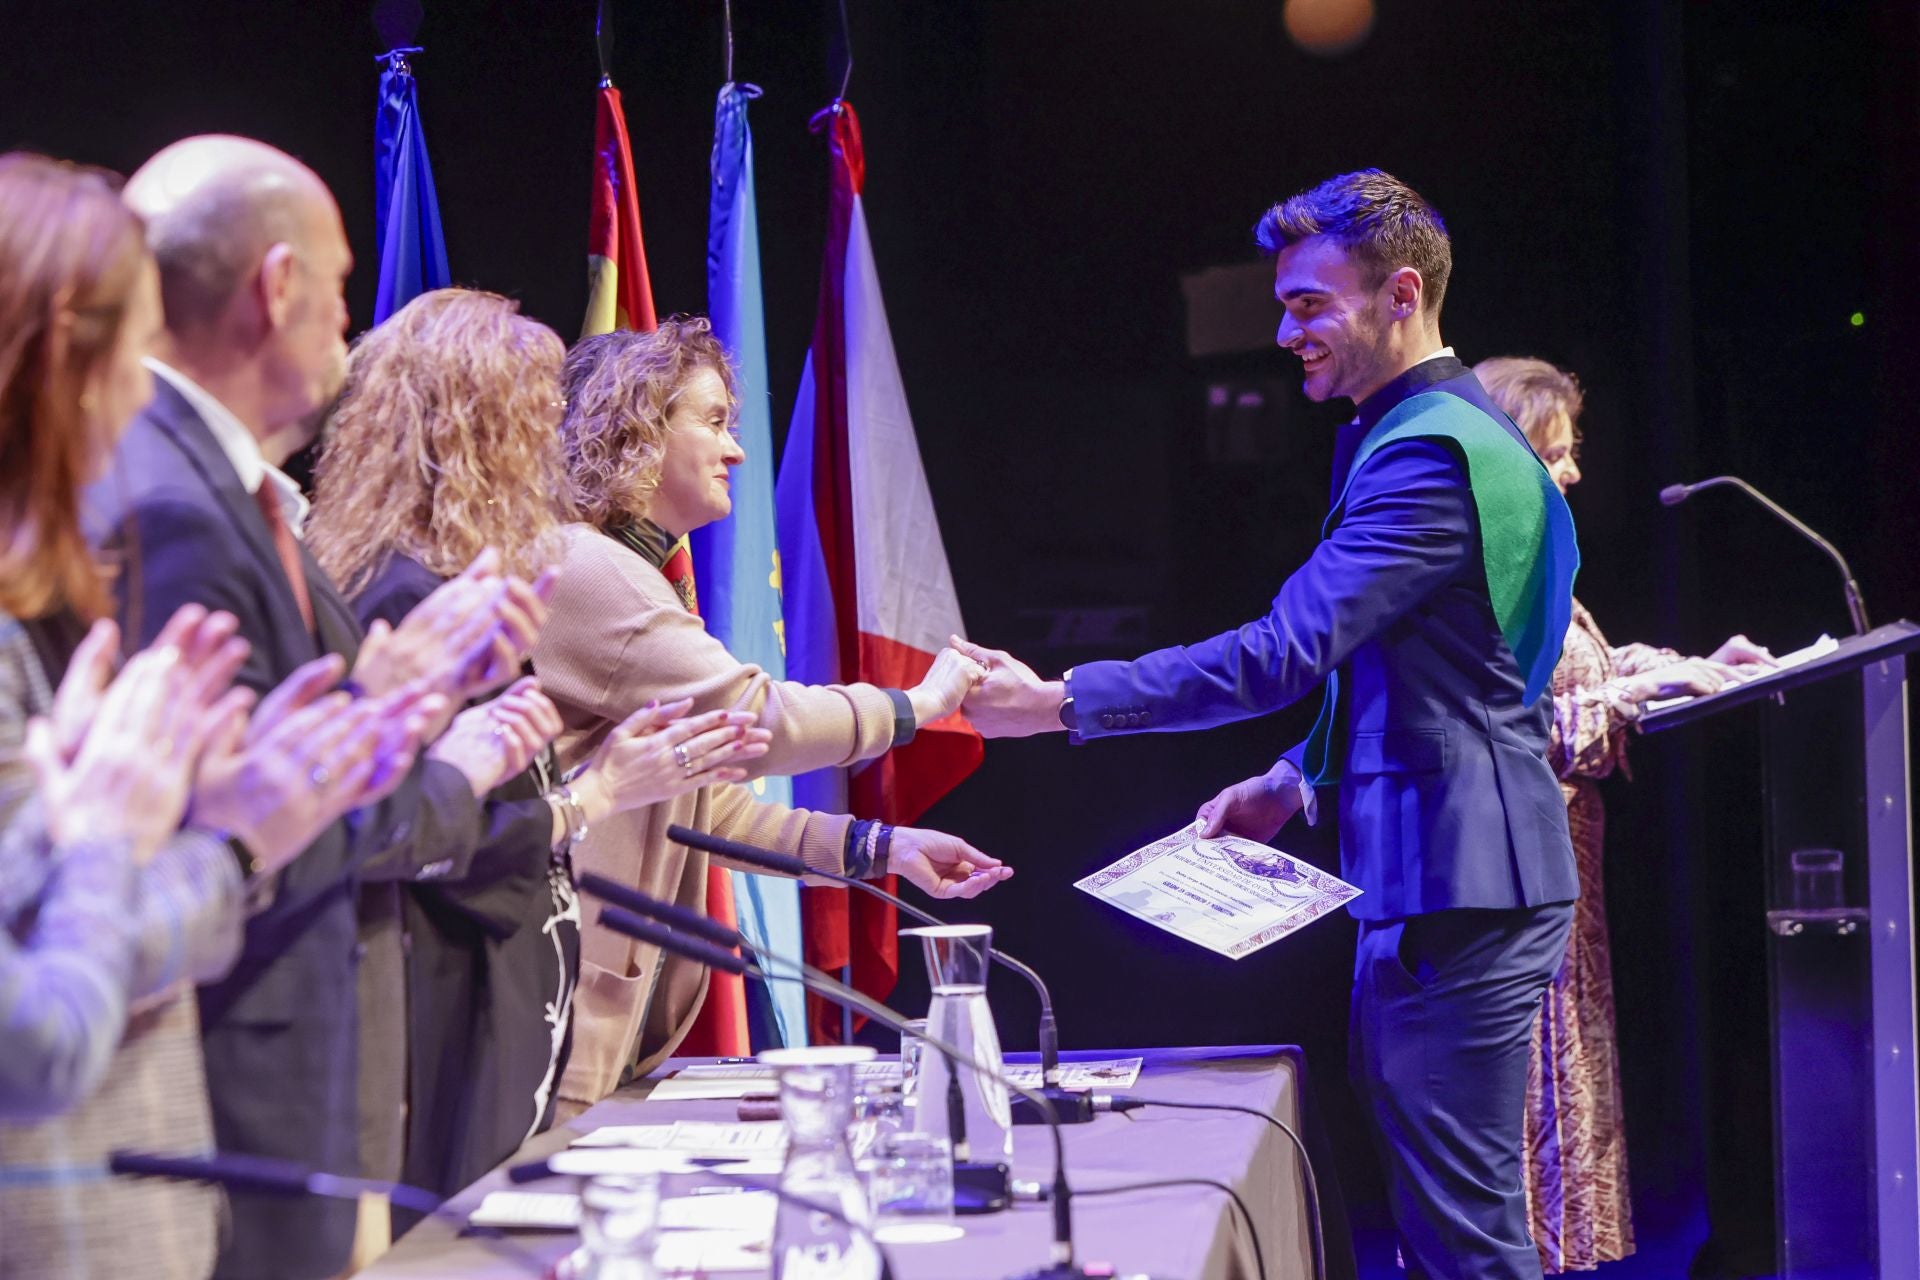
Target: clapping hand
{"x":1010,"y":701}
{"x":943,"y":866}
{"x":654,"y":755}
{"x":496,"y":740}
{"x":306,"y":757}
{"x":471,"y":635}
{"x":116,"y":756}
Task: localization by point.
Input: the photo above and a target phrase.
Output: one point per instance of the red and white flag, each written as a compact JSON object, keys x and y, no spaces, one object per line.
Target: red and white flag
{"x":868,"y":595}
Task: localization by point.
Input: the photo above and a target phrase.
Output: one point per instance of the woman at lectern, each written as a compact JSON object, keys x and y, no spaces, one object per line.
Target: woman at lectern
{"x":1578,"y":1206}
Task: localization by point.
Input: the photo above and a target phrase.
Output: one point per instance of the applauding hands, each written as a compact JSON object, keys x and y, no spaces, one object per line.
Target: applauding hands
{"x":306,"y":758}
{"x":116,"y":757}
{"x":471,"y":635}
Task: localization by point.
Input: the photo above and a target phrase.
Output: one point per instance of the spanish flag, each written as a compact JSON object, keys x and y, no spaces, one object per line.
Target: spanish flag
{"x":619,"y":294}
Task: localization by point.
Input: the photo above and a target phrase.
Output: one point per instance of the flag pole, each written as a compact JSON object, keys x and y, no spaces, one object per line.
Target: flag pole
{"x":603,"y":43}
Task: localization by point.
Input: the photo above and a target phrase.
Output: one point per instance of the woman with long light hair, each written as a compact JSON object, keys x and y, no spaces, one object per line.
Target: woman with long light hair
{"x":122,"y":797}
{"x":444,"y":442}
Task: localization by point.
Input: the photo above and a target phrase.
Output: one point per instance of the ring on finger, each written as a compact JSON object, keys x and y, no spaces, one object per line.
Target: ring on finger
{"x":319,"y":776}
{"x":682,"y":758}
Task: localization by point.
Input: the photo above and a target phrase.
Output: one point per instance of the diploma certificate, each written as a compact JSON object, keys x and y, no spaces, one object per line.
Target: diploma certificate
{"x":1228,"y":895}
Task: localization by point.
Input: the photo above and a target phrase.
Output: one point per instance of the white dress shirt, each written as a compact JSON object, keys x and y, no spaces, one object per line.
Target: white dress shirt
{"x":238,"y":443}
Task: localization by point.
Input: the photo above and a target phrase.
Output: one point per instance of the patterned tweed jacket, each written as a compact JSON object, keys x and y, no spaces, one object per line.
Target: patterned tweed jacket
{"x":97,"y":966}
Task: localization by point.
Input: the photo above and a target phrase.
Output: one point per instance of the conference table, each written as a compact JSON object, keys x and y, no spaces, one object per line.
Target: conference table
{"x":1181,"y":1232}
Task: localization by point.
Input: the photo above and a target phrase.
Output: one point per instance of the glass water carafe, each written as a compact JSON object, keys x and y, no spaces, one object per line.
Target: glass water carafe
{"x":957,"y":960}
{"x":816,"y":1105}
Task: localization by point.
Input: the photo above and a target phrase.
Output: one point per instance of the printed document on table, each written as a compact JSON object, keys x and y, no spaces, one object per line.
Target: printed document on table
{"x":711,"y":1081}
{"x":708,"y":1139}
{"x":1228,"y":895}
{"x":1106,"y":1073}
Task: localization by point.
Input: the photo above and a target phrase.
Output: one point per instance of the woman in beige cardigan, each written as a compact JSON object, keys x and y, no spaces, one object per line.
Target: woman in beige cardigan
{"x":650,"y":442}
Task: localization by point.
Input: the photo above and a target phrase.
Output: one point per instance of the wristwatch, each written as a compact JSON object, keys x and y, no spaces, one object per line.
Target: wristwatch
{"x":1069,"y":718}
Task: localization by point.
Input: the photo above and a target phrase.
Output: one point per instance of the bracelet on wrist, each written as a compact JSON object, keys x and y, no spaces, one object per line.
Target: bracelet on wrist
{"x":572,"y":816}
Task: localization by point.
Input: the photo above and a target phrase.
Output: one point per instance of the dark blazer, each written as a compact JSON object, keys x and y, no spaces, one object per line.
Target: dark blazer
{"x":1446,"y":799}
{"x":488,"y":964}
{"x":280,"y":1031}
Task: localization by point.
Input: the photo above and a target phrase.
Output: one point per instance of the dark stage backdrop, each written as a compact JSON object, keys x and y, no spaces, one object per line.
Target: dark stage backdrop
{"x":1685,"y":204}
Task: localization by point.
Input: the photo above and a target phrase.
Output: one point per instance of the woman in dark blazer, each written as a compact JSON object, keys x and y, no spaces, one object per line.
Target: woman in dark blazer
{"x":455,"y":390}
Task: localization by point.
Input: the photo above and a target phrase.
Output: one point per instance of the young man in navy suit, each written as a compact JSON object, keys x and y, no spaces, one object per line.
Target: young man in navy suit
{"x":1432,"y":611}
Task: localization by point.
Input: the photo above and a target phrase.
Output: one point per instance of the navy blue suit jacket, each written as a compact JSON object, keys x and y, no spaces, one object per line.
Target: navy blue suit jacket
{"x":1446,"y":798}
{"x":280,"y":1031}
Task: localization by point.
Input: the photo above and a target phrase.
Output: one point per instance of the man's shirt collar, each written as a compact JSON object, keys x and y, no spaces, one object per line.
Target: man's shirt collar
{"x":237,"y":443}
{"x":1438,"y":367}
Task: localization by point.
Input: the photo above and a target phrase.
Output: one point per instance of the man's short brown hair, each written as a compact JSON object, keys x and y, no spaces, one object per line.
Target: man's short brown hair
{"x":1379,"y":220}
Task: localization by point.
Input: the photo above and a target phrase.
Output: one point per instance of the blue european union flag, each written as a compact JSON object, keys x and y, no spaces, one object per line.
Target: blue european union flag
{"x":407,"y":235}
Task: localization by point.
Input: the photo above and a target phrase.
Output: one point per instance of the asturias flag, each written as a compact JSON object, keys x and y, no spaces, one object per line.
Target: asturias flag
{"x":868,"y":592}
{"x":619,"y":294}
{"x":406,"y":213}
{"x":735,"y":560}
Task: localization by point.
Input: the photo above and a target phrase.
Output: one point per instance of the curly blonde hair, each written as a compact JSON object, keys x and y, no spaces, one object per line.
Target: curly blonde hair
{"x":621,"y":387}
{"x":443,"y":443}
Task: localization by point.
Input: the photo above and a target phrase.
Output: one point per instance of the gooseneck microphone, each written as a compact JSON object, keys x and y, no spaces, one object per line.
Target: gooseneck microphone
{"x":1675,"y":494}
{"x":1070,"y":1107}
{"x":697,"y":949}
{"x":626,"y":916}
{"x":268,"y":1175}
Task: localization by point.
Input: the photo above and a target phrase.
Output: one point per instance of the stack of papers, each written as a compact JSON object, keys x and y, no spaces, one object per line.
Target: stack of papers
{"x":737,"y":1080}
{"x":705,"y":1139}
{"x":699,"y":1234}
{"x":1105,"y":1074}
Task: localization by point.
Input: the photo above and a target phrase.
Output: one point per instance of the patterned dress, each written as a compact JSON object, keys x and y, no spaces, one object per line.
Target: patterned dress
{"x":1578,"y":1206}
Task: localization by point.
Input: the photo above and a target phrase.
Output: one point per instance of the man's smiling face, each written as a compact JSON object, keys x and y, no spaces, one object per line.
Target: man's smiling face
{"x":1336,"y":318}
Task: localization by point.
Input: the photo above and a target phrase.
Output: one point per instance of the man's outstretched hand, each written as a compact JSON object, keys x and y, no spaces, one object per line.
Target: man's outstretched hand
{"x":1010,"y":701}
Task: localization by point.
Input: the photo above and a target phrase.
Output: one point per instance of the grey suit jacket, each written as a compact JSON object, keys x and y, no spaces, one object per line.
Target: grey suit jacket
{"x":281,"y":1031}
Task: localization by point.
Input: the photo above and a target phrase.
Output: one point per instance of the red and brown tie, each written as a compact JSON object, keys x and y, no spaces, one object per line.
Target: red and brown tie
{"x":286,"y":547}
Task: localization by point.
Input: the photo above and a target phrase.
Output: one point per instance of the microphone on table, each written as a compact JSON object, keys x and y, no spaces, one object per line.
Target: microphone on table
{"x":697,"y":949}
{"x":1675,"y":494}
{"x":268,"y":1175}
{"x":633,"y":904}
{"x":990,"y":1181}
{"x":1069,"y":1106}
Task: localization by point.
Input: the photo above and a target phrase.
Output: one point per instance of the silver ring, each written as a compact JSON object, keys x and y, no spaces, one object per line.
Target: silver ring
{"x":680,"y":755}
{"x":319,"y":776}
